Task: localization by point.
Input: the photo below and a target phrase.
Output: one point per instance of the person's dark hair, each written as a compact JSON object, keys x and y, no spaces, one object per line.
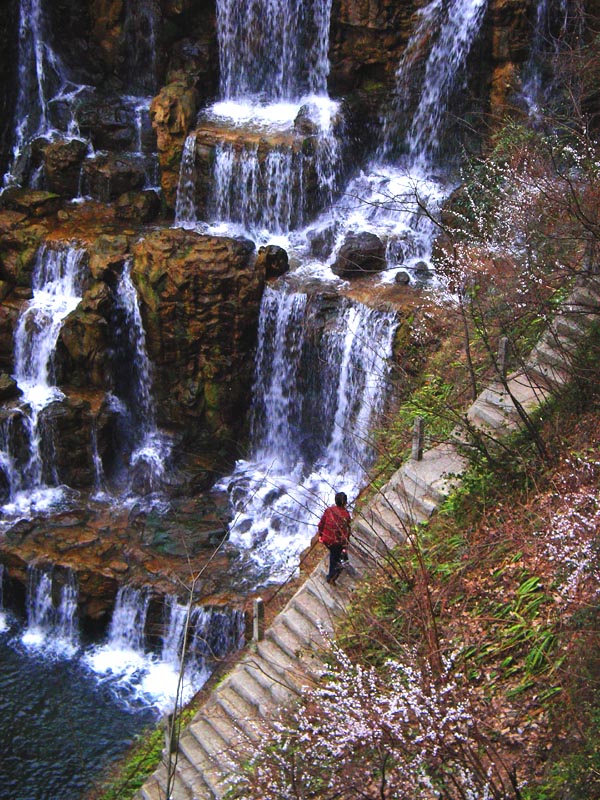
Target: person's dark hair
{"x":341,"y":499}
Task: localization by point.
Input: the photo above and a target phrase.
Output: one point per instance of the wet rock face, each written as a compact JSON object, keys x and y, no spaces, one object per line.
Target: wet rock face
{"x":107,"y":177}
{"x":173,"y":112}
{"x":200,"y":303}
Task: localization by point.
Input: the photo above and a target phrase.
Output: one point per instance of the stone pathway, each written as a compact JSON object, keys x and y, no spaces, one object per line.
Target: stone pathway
{"x":272,"y":672}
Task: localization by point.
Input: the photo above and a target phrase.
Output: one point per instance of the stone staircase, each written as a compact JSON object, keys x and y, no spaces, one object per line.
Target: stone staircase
{"x":271,"y":673}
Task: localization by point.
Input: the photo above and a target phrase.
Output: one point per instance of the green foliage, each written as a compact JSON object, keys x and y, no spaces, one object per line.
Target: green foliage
{"x":141,"y":761}
{"x":432,"y":402}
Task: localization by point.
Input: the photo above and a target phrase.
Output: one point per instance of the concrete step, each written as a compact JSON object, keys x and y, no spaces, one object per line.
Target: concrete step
{"x":207,"y":779}
{"x":374,"y":534}
{"x":318,"y":588}
{"x":424,"y":497}
{"x":397,"y":517}
{"x":571,"y":324}
{"x":289,"y":642}
{"x":280,"y":692}
{"x":304,"y":628}
{"x":499,"y":397}
{"x":554,"y":353}
{"x":554,"y":377}
{"x":528,"y":390}
{"x":187,"y":782}
{"x":262,"y":701}
{"x":490,"y":419}
{"x":152,"y":790}
{"x":585,"y":298}
{"x":438,"y":471}
{"x":210,"y":738}
{"x":237,"y":711}
{"x":302,"y":672}
{"x":313,"y":610}
{"x":227,"y":729}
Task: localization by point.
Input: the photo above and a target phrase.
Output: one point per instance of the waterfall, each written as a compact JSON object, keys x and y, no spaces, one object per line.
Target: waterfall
{"x":176,"y":616}
{"x":257,"y":195}
{"x":274,"y":68}
{"x":57,"y":290}
{"x":150,"y":449}
{"x":455,"y":27}
{"x":444,"y":65}
{"x":134,"y":670}
{"x":550,"y":27}
{"x":185,"y":206}
{"x":45,"y":94}
{"x":145,"y":145}
{"x":126,"y":631}
{"x":51,"y":625}
{"x":3,"y":620}
{"x":273,"y":50}
{"x":141,"y":30}
{"x":318,"y":389}
{"x":216,"y":632}
{"x":389,"y":198}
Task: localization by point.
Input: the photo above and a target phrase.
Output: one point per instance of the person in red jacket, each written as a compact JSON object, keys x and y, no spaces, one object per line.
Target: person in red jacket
{"x":334,"y":533}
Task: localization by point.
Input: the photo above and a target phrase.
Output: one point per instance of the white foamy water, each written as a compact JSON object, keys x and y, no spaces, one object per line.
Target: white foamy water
{"x":43,"y":90}
{"x":57,"y":290}
{"x":174,"y":673}
{"x":311,"y":422}
{"x":51,"y":628}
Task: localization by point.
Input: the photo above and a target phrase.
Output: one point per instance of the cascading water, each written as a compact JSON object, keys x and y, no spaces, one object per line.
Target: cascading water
{"x":51,"y":625}
{"x":551,"y":22}
{"x":3,"y":620}
{"x":45,"y":94}
{"x":149,"y":448}
{"x":460,"y":25}
{"x":122,"y":686}
{"x":185,"y":206}
{"x":270,"y":180}
{"x":137,"y":672}
{"x":314,"y":404}
{"x":141,"y":31}
{"x":273,"y":50}
{"x":389,"y":198}
{"x":57,"y":290}
{"x":216,"y":633}
{"x":274,"y":62}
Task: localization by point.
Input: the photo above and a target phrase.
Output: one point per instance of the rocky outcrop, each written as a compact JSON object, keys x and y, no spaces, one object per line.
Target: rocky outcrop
{"x":173,"y":112}
{"x":200,"y":302}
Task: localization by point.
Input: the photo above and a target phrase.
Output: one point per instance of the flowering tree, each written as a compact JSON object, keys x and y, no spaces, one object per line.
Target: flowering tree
{"x":388,"y":734}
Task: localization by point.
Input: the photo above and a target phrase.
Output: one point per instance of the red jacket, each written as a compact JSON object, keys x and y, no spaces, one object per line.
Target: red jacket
{"x":334,"y":526}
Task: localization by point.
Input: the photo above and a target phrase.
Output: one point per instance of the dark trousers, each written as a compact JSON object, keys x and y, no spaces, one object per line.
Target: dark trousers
{"x":335,"y":559}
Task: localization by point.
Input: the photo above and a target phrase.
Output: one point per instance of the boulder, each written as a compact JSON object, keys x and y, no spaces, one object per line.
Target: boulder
{"x":8,"y":321}
{"x":138,"y":206}
{"x":82,"y":354}
{"x":109,"y":122}
{"x":62,"y":164}
{"x":108,"y":176}
{"x":273,"y":260}
{"x":361,"y":254}
{"x":31,"y":202}
{"x":69,"y":425}
{"x":8,"y":388}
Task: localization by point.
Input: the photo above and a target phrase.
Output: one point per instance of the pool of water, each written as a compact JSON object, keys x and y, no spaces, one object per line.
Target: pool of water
{"x":60,"y":726}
